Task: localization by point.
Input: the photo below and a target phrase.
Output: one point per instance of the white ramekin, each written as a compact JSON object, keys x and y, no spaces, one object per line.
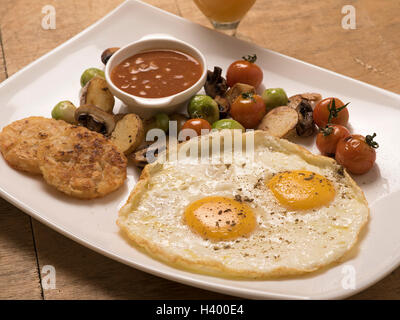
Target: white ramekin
{"x":147,"y":107}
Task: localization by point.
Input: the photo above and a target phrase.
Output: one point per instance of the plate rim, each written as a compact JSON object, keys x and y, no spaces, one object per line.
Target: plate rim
{"x":186,"y":278}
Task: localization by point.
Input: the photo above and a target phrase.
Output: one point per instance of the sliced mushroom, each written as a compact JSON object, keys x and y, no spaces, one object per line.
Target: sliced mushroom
{"x":223,"y":106}
{"x":215,"y":84}
{"x":313,"y":98}
{"x":216,"y":87}
{"x":96,"y":93}
{"x":106,"y":55}
{"x":306,"y":126}
{"x":139,"y":158}
{"x":95,"y":119}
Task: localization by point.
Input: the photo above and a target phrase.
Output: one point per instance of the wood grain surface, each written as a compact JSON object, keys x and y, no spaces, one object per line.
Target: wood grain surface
{"x":309,"y":30}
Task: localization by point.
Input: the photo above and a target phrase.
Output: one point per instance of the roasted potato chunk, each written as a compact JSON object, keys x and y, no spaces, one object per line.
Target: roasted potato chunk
{"x":128,"y":133}
{"x":237,"y":89}
{"x":96,"y":93}
{"x":280,"y":122}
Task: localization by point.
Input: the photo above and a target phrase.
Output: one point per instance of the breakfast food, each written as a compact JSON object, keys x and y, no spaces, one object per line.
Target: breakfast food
{"x":159,"y":121}
{"x":331,"y":111}
{"x":311,"y":97}
{"x":280,"y":122}
{"x":139,"y":157}
{"x":215,"y":83}
{"x":156,"y":74}
{"x":237,"y":90}
{"x":274,"y":97}
{"x":227,"y":124}
{"x":89,"y":74}
{"x":96,"y":93}
{"x":204,"y":107}
{"x":95,"y":119}
{"x":75,"y":160}
{"x":328,"y":138}
{"x":306,"y":125}
{"x":199,"y":127}
{"x":64,"y":110}
{"x":232,"y":103}
{"x":128,"y":133}
{"x":357,"y":153}
{"x":245,"y":71}
{"x":354,"y":152}
{"x":20,"y":141}
{"x":248,"y":109}
{"x":82,"y":163}
{"x":107,"y":54}
{"x":284,"y":212}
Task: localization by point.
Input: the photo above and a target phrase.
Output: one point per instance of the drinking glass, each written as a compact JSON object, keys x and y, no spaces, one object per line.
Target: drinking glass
{"x":225,"y":15}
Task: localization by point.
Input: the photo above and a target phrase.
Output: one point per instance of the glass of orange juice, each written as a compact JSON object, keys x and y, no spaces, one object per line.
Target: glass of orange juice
{"x":225,"y":15}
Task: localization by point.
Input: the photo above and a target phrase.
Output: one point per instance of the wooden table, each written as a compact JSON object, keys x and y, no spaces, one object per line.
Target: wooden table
{"x":309,"y":30}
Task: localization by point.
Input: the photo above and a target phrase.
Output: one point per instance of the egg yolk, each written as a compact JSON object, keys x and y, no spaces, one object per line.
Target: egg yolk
{"x":220,"y":218}
{"x":301,"y":190}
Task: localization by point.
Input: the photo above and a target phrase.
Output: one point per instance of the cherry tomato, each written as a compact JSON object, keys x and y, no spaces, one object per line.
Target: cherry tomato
{"x":331,"y":110}
{"x":248,"y":109}
{"x":245,"y":71}
{"x":197,"y":125}
{"x":357,"y":153}
{"x":328,"y":137}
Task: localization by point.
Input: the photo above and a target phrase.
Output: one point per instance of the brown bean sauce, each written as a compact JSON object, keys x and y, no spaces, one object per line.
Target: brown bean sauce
{"x":156,"y":74}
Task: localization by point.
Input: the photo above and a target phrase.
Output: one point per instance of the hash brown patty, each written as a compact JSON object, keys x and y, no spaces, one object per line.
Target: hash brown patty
{"x":82,"y":163}
{"x":20,"y":141}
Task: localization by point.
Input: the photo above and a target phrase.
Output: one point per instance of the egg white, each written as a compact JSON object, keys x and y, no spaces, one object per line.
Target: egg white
{"x":284,"y":242}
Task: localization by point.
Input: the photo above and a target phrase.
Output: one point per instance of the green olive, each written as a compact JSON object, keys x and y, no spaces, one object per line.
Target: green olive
{"x":89,"y":74}
{"x":64,"y":110}
{"x":162,"y":121}
{"x":227,"y":124}
{"x":159,"y":121}
{"x":204,"y":107}
{"x":274,"y":97}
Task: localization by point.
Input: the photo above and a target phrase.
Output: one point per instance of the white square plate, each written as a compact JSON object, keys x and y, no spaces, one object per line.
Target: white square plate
{"x":54,"y":77}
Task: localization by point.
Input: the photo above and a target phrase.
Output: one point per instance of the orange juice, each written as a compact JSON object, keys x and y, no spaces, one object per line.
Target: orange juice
{"x":224,"y":10}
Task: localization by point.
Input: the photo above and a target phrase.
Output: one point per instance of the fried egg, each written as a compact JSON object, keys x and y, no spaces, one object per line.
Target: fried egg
{"x":301,"y":189}
{"x":220,"y":218}
{"x":283,"y":211}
